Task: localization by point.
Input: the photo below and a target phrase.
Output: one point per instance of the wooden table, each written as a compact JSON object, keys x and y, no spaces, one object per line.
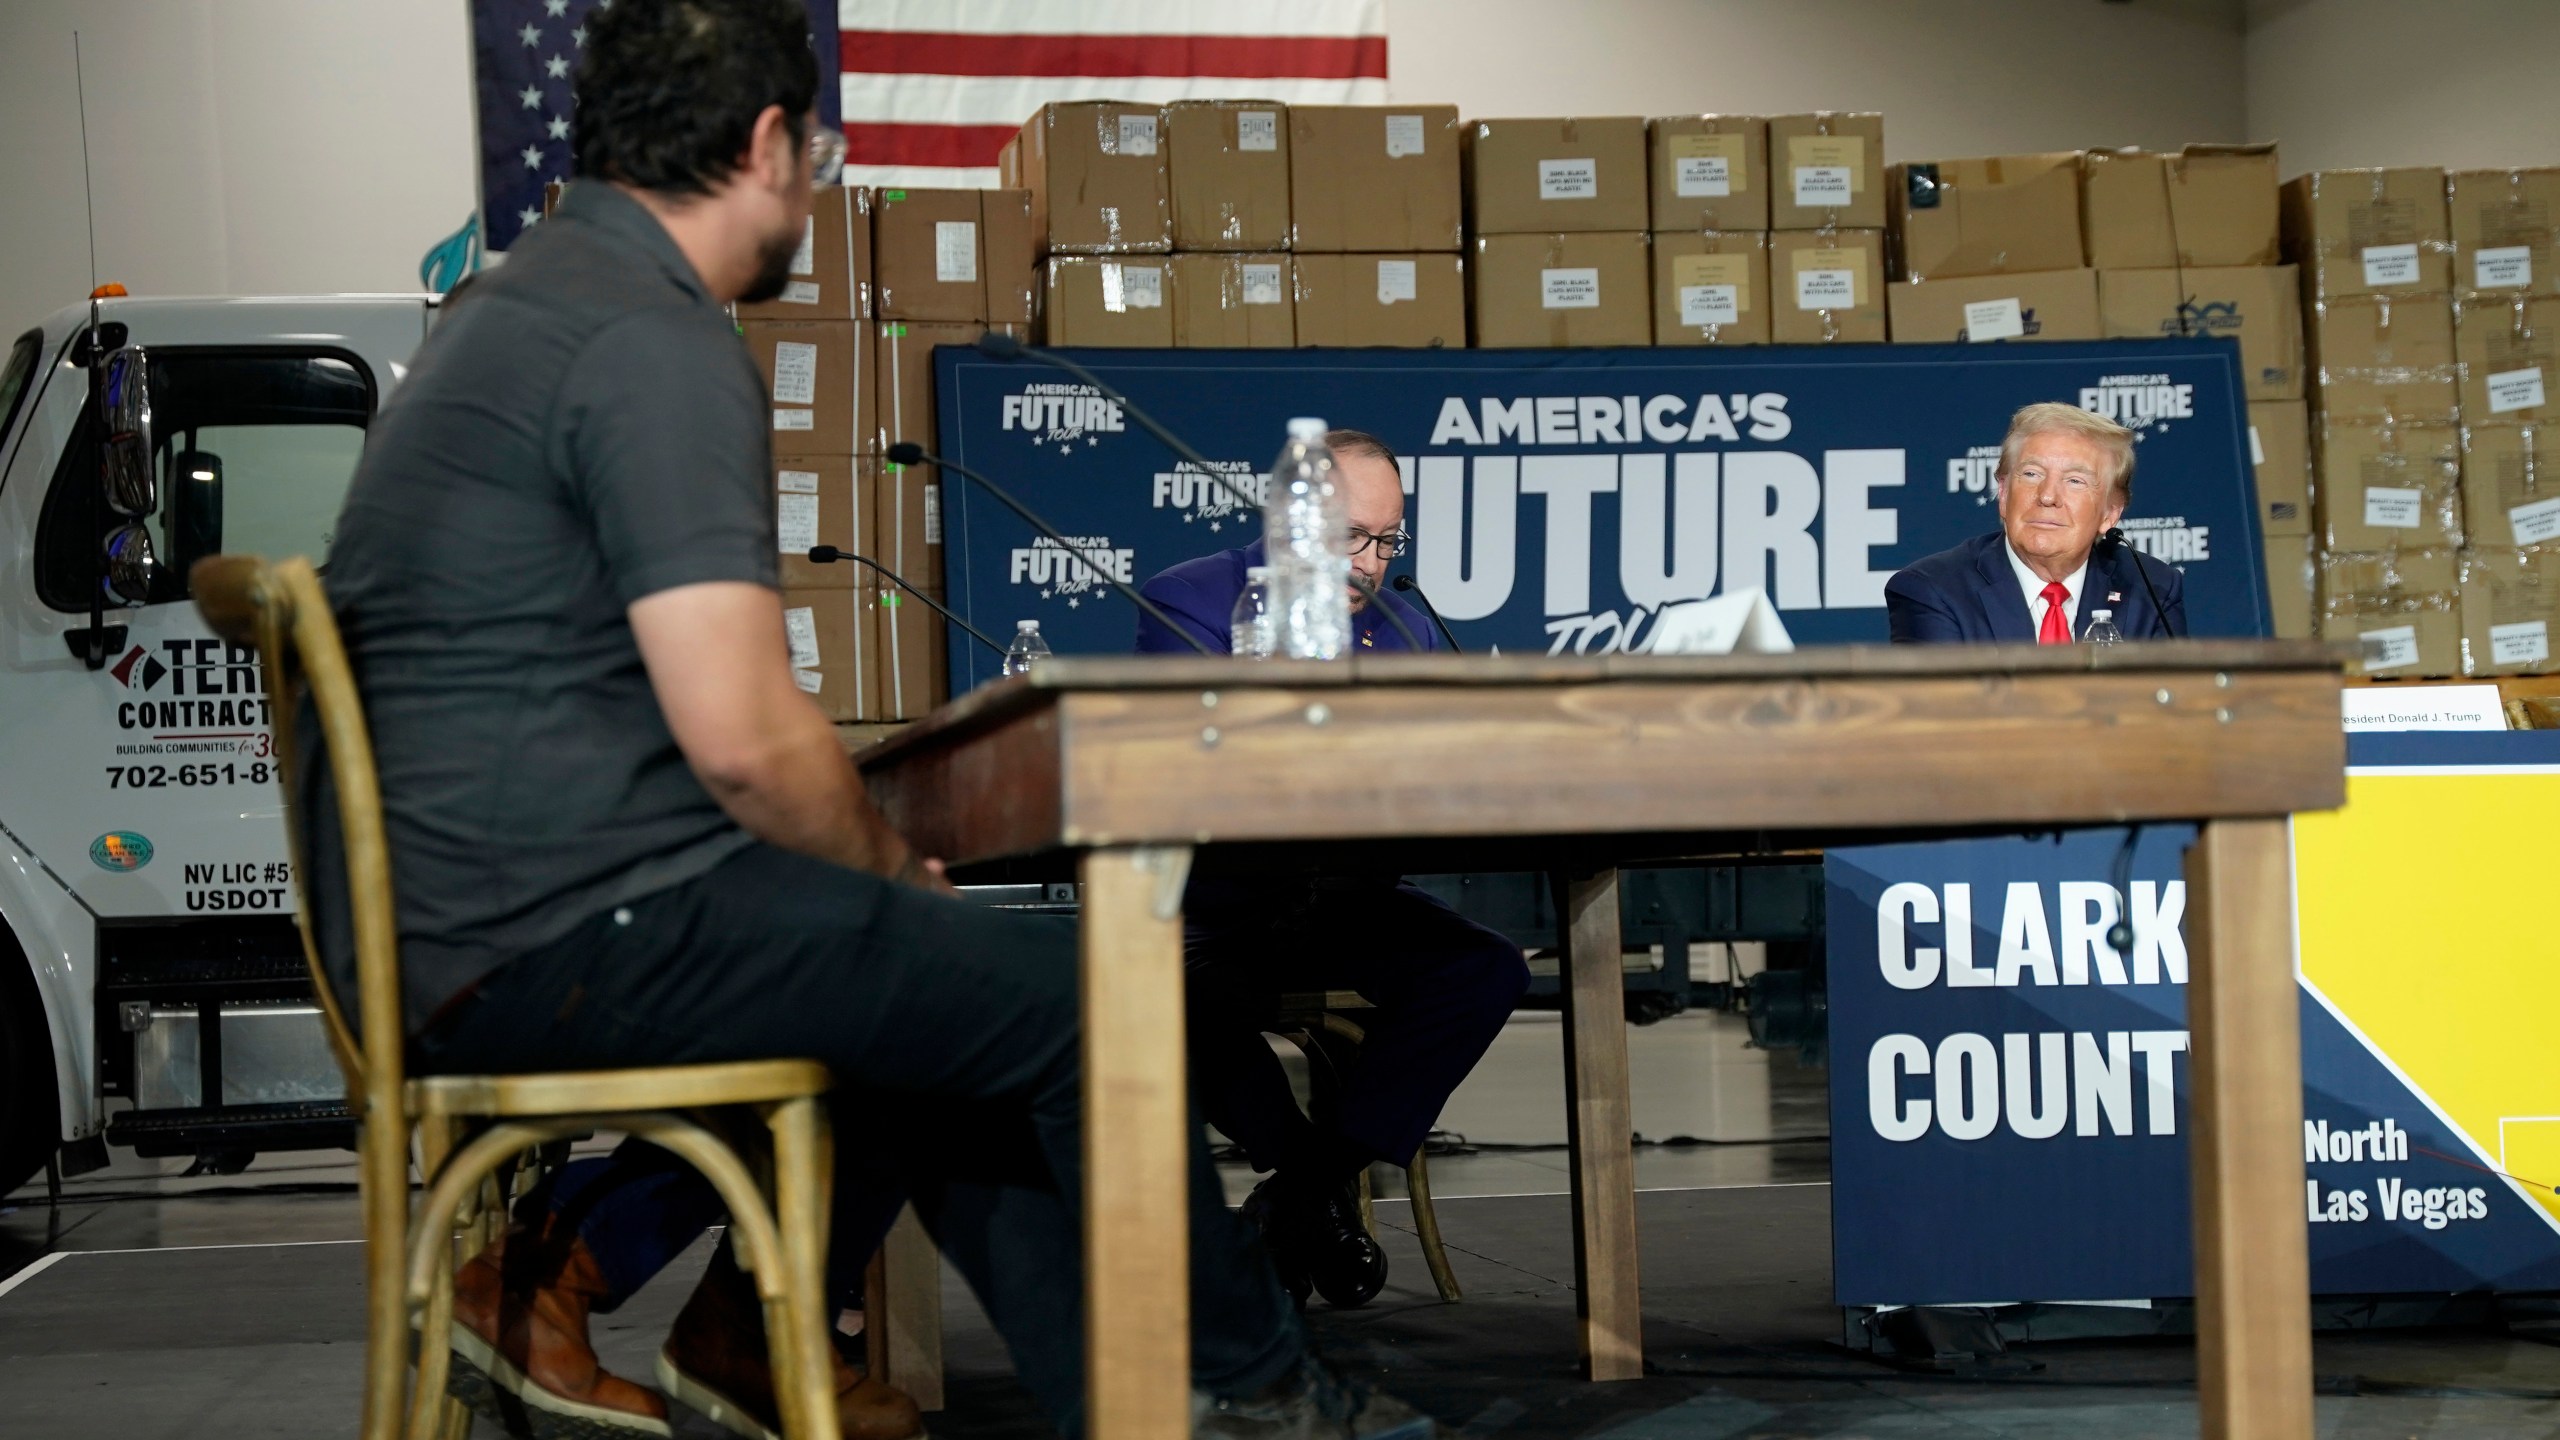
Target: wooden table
{"x":1120,"y":771}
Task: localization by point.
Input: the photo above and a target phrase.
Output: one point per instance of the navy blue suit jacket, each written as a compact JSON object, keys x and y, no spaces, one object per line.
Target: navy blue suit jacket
{"x":1201,"y":594}
{"x":1969,"y":595}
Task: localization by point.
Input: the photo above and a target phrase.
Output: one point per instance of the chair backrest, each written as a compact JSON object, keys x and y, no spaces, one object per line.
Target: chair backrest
{"x":281,"y":609}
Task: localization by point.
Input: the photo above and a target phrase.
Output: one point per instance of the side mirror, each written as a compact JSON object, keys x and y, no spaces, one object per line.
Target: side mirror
{"x":132,"y":568}
{"x":125,"y":410}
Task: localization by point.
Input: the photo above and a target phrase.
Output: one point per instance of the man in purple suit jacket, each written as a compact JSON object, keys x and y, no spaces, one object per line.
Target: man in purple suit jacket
{"x":2065,"y":476}
{"x":1441,"y":985}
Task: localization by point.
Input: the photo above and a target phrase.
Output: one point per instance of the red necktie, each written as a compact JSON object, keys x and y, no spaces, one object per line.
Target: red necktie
{"x":2055,"y":630}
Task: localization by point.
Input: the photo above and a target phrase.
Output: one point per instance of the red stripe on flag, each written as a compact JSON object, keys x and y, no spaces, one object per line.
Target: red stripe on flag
{"x":1242,"y":57}
{"x":880,"y":144}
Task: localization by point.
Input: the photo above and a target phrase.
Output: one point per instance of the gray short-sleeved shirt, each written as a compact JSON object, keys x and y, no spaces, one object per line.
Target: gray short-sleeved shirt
{"x":581,"y":429}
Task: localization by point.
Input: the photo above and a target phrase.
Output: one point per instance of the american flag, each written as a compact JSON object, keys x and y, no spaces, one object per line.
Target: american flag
{"x":932,"y":89}
{"x":525,"y":60}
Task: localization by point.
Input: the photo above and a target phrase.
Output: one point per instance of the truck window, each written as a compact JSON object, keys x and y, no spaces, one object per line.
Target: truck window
{"x":255,"y":449}
{"x":14,"y":379}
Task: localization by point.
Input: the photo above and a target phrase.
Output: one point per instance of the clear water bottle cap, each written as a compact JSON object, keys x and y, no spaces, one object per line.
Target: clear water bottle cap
{"x":1307,"y":428}
{"x":2097,"y":615}
{"x":1027,"y":627}
{"x":1256,"y":572}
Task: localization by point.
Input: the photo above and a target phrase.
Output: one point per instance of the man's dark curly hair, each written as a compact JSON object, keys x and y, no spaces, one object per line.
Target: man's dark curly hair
{"x":669,"y":90}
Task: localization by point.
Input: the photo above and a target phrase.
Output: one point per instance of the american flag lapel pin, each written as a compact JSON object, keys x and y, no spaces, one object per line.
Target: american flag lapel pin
{"x":2112,"y":595}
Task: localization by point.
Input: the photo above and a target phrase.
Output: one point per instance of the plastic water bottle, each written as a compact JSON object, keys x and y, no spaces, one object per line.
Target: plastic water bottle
{"x":1306,"y":537}
{"x":1249,"y":628}
{"x":2102,"y":629}
{"x":1027,"y":646}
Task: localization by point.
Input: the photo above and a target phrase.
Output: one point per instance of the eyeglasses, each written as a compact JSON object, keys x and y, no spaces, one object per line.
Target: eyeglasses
{"x":826,"y":156}
{"x":1389,"y":545}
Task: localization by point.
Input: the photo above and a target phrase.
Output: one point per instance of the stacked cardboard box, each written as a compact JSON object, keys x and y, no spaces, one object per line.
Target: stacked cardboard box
{"x":1557,"y":210}
{"x":1826,"y":222}
{"x":1709,"y":217}
{"x":1376,"y":225}
{"x":2375,"y":253}
{"x":950,"y":265}
{"x":812,"y":344}
{"x":1990,"y":250}
{"x":2188,"y":244}
{"x":1231,"y":283}
{"x":2505,"y":228}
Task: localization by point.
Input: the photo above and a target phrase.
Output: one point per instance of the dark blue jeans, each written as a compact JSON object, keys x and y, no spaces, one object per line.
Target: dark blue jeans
{"x":952,"y":1032}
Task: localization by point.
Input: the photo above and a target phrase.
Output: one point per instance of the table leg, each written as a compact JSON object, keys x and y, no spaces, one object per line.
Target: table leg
{"x":2253,"y":1278}
{"x":1600,"y":1122}
{"x":1137,"y":1216}
{"x":903,"y":1311}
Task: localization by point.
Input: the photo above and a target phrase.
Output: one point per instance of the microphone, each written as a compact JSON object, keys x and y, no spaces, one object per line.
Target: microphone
{"x":996,"y":345}
{"x":1408,"y":585}
{"x":828,"y":555}
{"x":907,"y":452}
{"x":2114,"y":536}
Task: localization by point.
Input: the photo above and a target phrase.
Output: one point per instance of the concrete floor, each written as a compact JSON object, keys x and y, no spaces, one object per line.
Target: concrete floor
{"x":150,"y":1305}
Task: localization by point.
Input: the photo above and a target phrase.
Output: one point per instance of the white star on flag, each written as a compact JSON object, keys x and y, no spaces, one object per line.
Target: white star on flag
{"x":578,"y":37}
{"x":531,"y":97}
{"x":528,"y":217}
{"x":559,"y":128}
{"x":557,"y":67}
{"x":532,"y":158}
{"x":531,"y":36}
{"x":557,"y":8}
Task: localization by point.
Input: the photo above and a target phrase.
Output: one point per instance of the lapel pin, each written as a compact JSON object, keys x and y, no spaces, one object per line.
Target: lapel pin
{"x":2112,"y":595}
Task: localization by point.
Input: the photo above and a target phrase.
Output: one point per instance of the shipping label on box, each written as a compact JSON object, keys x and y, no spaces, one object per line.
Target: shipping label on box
{"x":2506,"y":230}
{"x":2280,"y":458}
{"x":1554,"y":175}
{"x":1097,"y":178}
{"x":828,"y":636}
{"x":1233,"y":302}
{"x":831,"y":271}
{"x":1827,"y":171}
{"x":1710,"y":289}
{"x":1572,"y":289}
{"x":2388,"y":486}
{"x":819,"y":500}
{"x":818,"y":373}
{"x":2003,"y":215}
{"x":2058,"y":305}
{"x":1229,"y":166}
{"x":2369,"y":232}
{"x":1709,"y":172}
{"x":1410,"y":301}
{"x":1375,"y":178}
{"x":2372,"y":357}
{"x":1828,"y":286}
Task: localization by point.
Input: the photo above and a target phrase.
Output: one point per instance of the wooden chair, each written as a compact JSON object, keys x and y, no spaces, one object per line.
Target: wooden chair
{"x":472,"y":1127}
{"x":1316,"y":1020}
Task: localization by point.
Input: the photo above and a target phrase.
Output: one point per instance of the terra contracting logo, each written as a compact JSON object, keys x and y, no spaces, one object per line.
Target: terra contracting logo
{"x":1061,"y":415}
{"x":139,"y":671}
{"x":1062,"y":572}
{"x":120,"y":850}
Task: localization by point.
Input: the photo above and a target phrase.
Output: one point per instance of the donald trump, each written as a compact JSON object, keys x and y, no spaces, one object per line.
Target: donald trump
{"x":2064,"y":478}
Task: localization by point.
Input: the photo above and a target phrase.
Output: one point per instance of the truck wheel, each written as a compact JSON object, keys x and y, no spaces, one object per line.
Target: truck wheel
{"x":30,"y":1111}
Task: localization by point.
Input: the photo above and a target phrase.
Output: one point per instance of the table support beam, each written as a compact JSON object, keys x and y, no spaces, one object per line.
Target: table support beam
{"x":903,"y":1311}
{"x":1601,"y":1125}
{"x":1137,"y":1216}
{"x":2253,"y":1277}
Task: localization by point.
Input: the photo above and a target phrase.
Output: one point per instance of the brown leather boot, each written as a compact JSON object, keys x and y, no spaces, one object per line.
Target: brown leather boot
{"x":520,"y":1349}
{"x":715,"y":1364}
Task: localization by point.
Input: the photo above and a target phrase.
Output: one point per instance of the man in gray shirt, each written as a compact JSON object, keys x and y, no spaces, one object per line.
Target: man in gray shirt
{"x":620,"y":833}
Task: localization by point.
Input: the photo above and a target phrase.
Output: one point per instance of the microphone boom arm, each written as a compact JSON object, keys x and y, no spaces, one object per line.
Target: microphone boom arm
{"x":828,"y":554}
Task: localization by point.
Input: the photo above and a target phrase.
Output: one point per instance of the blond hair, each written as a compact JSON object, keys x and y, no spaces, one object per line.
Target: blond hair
{"x":2049,"y":415}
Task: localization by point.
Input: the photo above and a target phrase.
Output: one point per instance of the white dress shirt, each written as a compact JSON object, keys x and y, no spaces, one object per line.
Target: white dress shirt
{"x":2032,"y":586}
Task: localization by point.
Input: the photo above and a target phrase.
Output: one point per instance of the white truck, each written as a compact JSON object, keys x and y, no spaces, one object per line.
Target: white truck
{"x":147,"y":944}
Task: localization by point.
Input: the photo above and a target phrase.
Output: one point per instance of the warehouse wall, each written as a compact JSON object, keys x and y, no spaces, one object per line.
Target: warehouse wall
{"x":238,"y":146}
{"x":2466,"y":84}
{"x":1953,"y":77}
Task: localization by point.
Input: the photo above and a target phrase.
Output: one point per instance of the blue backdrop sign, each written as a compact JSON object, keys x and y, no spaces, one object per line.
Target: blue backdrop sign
{"x":2009,"y":1095}
{"x":1561,"y":498}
